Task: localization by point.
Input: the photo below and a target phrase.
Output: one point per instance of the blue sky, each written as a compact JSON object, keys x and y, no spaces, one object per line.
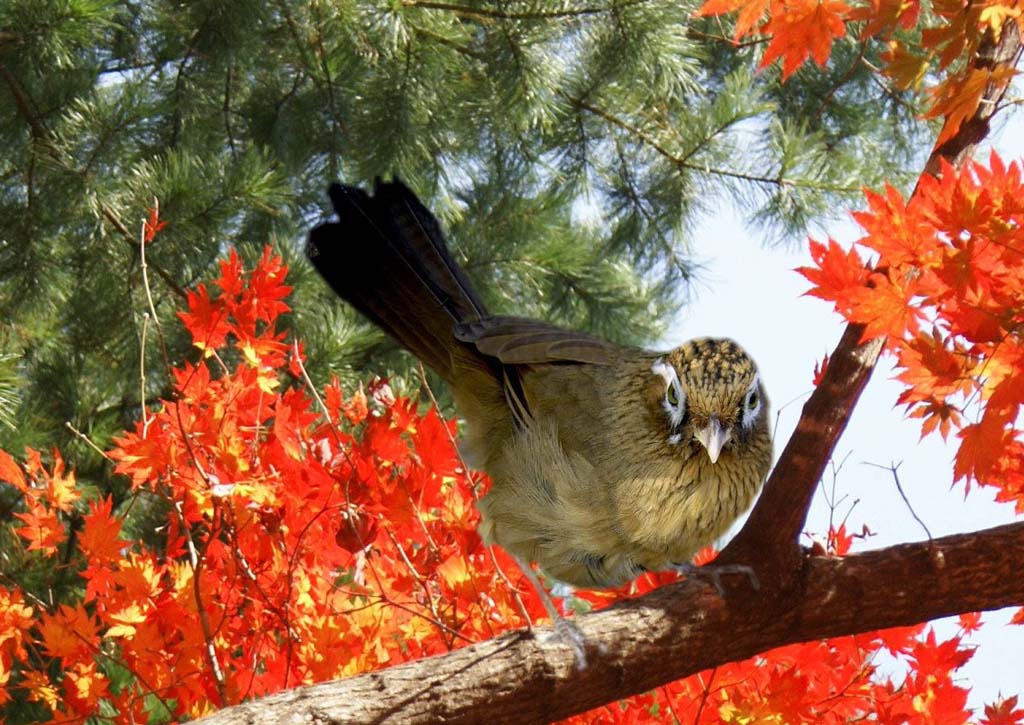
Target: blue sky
{"x":751,"y":293}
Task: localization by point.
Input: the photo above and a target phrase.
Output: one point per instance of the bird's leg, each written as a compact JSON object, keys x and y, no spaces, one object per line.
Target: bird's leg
{"x":714,"y":572}
{"x":566,"y":631}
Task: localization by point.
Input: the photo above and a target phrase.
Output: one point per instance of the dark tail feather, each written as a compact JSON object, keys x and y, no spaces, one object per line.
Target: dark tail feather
{"x":386,"y":256}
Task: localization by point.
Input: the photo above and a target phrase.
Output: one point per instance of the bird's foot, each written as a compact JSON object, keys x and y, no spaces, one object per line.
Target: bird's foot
{"x":561,"y":590}
{"x":566,"y":632}
{"x":714,"y":573}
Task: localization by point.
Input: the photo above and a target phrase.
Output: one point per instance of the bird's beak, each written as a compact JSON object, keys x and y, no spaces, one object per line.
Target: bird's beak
{"x":713,"y":437}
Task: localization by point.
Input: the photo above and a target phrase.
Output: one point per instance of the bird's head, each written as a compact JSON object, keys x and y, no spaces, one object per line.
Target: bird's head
{"x":711,"y":395}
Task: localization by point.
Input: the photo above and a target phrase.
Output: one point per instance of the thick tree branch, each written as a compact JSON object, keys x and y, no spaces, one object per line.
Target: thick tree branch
{"x":671,"y":633}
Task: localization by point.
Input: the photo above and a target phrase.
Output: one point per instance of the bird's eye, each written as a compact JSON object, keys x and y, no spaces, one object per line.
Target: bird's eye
{"x":674,"y":402}
{"x":751,"y":404}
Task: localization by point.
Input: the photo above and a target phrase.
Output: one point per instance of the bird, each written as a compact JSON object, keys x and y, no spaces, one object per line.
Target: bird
{"x":605,"y":461}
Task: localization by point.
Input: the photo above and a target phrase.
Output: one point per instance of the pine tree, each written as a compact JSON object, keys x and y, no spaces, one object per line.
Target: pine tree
{"x":568,"y":146}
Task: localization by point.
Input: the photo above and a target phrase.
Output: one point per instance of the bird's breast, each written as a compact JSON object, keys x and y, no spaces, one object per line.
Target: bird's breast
{"x":671,"y":507}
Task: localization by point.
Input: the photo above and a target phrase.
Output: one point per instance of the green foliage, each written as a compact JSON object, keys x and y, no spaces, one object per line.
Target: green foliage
{"x":568,"y":147}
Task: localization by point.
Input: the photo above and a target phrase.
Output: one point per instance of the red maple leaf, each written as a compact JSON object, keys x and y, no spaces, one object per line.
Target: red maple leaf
{"x":100,"y":536}
{"x":1003,"y":712}
{"x":152,"y":225}
{"x":801,"y":29}
{"x":750,"y":13}
{"x":819,"y":371}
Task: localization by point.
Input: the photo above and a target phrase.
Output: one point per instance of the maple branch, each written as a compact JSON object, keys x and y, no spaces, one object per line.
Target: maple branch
{"x":668,"y":634}
{"x":769,"y":539}
{"x":1005,"y":53}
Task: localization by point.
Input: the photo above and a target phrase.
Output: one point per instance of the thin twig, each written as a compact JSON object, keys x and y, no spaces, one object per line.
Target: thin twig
{"x":86,"y":439}
{"x":142,"y":373}
{"x":705,"y":695}
{"x":894,"y":467}
{"x":681,"y":162}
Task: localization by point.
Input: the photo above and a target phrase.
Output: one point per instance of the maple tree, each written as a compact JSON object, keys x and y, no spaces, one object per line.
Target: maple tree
{"x":305,"y":534}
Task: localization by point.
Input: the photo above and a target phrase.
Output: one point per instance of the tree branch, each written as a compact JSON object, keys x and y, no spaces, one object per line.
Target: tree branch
{"x":671,"y":633}
{"x":500,"y":14}
{"x":683,"y":162}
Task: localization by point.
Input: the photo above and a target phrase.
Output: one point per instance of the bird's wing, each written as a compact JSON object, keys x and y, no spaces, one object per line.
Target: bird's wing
{"x":522,"y":341}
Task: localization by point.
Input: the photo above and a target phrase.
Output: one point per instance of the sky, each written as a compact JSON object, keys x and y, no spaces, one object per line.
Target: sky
{"x":751,"y":293}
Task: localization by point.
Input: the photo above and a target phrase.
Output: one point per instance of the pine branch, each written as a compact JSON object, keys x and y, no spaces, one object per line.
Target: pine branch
{"x":493,"y":14}
{"x":683,"y":162}
{"x":42,"y":135}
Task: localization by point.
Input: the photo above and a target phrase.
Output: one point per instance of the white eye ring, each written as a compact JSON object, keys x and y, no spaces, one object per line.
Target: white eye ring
{"x":676,"y":408}
{"x":752,"y":402}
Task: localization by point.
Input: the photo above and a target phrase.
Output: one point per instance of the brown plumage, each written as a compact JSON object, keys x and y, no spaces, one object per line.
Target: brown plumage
{"x":606,"y":461}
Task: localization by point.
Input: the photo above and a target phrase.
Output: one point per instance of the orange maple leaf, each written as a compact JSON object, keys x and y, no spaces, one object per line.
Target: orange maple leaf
{"x":981,"y":445}
{"x":881,"y":17}
{"x":750,"y":13}
{"x":906,"y":68}
{"x":886,"y":308}
{"x":957,"y":97}
{"x":15,"y":622}
{"x":836,"y":274}
{"x":70,"y":632}
{"x":100,"y":536}
{"x":11,"y":472}
{"x":42,"y":529}
{"x":41,"y":689}
{"x":61,"y":490}
{"x":802,"y":29}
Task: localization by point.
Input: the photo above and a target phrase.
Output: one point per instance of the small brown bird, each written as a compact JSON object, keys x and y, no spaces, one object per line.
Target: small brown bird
{"x":606,"y":461}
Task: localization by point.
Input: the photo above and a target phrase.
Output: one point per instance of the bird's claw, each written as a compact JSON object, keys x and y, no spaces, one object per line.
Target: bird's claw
{"x":567,"y":633}
{"x":714,"y":573}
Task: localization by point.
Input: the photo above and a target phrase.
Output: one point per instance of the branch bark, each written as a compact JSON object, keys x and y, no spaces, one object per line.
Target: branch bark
{"x":671,"y":633}
{"x":686,"y":628}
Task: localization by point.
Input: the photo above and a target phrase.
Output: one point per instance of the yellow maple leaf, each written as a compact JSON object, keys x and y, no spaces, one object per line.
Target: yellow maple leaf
{"x":906,"y":69}
{"x":995,"y":14}
{"x":957,"y":97}
{"x":126,"y":620}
